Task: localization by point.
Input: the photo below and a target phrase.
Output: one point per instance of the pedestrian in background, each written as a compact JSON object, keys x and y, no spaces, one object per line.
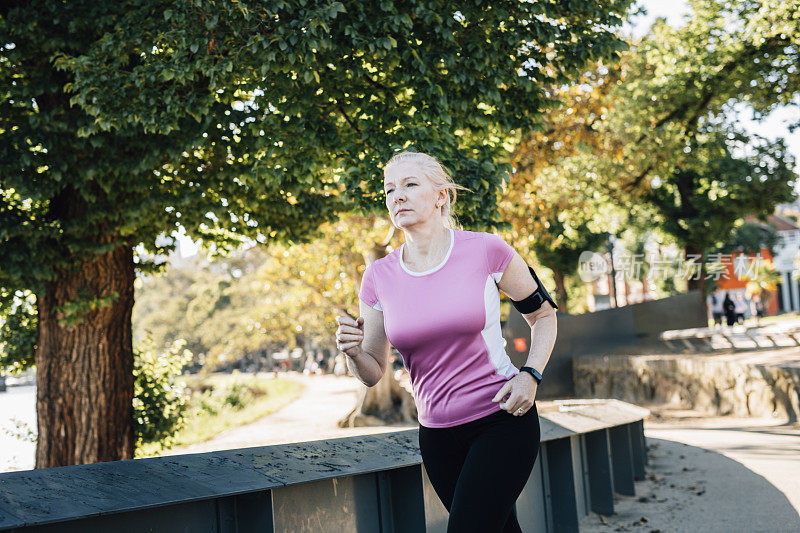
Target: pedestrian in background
{"x":759,"y":305}
{"x":714,"y":302}
{"x":740,"y":306}
{"x":729,"y":308}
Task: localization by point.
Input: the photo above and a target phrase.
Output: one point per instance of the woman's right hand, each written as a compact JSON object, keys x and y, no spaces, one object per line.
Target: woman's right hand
{"x":349,"y":335}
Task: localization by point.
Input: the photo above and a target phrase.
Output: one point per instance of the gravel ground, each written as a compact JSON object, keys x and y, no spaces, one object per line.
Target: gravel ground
{"x":712,"y":474}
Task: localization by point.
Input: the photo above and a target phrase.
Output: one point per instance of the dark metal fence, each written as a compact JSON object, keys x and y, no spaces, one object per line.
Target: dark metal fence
{"x":373,"y":483}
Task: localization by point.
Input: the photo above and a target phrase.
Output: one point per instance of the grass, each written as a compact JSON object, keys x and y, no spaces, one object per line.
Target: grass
{"x":219,"y":402}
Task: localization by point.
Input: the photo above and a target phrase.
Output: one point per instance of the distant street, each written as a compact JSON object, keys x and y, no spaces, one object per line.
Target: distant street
{"x":17,"y":419}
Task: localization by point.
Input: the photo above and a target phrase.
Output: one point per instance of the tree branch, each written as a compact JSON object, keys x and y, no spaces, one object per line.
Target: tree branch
{"x":705,"y":98}
{"x":381,"y":87}
{"x":352,"y":124}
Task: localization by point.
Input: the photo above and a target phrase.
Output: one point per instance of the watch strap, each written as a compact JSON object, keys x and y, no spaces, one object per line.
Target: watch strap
{"x":533,"y":372}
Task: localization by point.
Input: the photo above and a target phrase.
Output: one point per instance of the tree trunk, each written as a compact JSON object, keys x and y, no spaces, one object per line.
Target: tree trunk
{"x":387,"y":402}
{"x":561,"y":290}
{"x":697,"y":284}
{"x":627,"y":287}
{"x":612,"y":290}
{"x":84,"y":373}
{"x":646,"y":287}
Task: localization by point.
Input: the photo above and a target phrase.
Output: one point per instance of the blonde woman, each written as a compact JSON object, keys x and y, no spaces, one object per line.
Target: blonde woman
{"x":436,"y":300}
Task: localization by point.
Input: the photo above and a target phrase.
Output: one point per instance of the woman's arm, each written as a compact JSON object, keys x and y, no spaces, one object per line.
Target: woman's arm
{"x":369,"y":363}
{"x":518,"y":284}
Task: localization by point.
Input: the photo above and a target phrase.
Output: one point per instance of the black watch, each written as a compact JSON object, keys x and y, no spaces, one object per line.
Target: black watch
{"x":533,"y":372}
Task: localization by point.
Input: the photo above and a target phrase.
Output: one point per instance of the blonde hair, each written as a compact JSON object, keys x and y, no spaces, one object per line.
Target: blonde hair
{"x":435,"y":173}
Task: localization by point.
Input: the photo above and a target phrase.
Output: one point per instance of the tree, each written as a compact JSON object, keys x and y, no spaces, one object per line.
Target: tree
{"x":236,"y":120}
{"x":763,"y":281}
{"x":639,"y":125}
{"x":676,"y":81}
{"x":750,"y":238}
{"x":214,"y":305}
{"x":159,"y":399}
{"x":283,"y":296}
{"x":700,"y":202}
{"x":553,"y":211}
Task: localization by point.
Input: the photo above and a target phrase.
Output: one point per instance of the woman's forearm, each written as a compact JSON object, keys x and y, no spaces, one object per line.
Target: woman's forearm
{"x":365,"y":368}
{"x":543,"y":338}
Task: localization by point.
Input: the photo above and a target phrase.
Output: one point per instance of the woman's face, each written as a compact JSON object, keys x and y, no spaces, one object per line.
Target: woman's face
{"x":410,"y":198}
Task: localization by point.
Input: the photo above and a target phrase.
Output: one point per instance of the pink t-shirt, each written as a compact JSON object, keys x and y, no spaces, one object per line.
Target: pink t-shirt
{"x":445,"y":322}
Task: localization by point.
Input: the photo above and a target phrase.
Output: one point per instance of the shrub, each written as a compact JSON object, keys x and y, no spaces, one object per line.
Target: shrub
{"x":159,"y":402}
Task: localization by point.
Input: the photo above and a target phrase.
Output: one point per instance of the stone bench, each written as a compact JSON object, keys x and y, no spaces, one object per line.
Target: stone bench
{"x":702,"y":337}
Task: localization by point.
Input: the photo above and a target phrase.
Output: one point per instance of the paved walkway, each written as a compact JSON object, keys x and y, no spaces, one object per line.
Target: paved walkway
{"x":712,"y":474}
{"x":312,"y":416}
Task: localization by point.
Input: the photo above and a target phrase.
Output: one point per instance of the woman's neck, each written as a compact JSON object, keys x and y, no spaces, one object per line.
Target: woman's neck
{"x":426,"y":248}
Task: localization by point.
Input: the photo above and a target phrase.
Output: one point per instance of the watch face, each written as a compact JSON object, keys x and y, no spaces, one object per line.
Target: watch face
{"x":532,"y":372}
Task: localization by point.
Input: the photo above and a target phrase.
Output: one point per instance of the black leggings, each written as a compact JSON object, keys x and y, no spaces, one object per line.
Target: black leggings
{"x":479,"y":468}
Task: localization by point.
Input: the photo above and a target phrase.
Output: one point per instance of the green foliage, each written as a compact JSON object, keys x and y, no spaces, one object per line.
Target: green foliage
{"x":74,"y":311}
{"x":257,"y":120}
{"x":700,"y":202}
{"x":750,"y":238}
{"x":260,"y":300}
{"x":678,"y":81}
{"x":650,"y":137}
{"x":209,"y":410}
{"x":239,"y":395}
{"x":212,"y":303}
{"x":159,"y":402}
{"x":18,"y":330}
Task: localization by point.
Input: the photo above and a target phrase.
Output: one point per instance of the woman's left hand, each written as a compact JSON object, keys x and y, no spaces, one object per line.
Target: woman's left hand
{"x":521,"y":391}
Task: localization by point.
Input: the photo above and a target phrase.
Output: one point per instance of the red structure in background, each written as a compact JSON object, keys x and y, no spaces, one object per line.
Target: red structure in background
{"x":729,"y":281}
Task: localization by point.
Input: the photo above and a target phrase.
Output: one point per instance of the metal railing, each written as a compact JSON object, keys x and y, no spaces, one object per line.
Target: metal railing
{"x":372,"y":483}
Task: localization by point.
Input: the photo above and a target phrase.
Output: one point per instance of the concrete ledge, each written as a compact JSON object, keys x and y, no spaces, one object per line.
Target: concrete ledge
{"x":743,"y":384}
{"x":589,"y":449}
{"x":733,"y":338}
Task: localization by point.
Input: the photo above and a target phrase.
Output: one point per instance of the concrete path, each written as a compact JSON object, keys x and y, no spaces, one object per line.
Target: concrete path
{"x":312,"y":416}
{"x":712,"y":474}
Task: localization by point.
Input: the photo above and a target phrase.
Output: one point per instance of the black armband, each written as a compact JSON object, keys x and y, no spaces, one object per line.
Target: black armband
{"x":536,"y":299}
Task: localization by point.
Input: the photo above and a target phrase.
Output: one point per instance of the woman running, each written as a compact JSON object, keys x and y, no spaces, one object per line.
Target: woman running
{"x":436,"y":300}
